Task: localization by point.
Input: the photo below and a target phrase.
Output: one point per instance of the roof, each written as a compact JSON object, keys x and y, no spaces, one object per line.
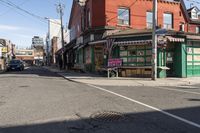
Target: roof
{"x":194,"y":7}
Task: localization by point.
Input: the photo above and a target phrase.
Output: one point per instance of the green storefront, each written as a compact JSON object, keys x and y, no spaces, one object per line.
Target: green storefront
{"x":193,"y":56}
{"x":178,"y":56}
{"x":136,"y":53}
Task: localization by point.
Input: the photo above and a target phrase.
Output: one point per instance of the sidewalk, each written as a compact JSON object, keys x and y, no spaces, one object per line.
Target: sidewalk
{"x":93,"y":79}
{"x":2,"y":71}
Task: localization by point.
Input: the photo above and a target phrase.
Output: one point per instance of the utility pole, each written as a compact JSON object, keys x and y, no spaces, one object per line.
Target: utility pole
{"x":154,"y":41}
{"x":60,"y":9}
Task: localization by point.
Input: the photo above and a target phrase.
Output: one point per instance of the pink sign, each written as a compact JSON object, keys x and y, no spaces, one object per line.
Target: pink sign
{"x":114,"y":62}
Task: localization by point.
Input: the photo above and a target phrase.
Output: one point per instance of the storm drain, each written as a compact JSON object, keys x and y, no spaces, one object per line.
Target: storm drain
{"x":108,"y":116}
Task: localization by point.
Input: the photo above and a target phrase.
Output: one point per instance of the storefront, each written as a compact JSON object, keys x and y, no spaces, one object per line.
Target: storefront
{"x":193,"y":56}
{"x":136,"y":52}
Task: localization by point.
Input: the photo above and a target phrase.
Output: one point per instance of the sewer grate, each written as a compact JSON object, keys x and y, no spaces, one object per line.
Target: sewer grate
{"x":108,"y":116}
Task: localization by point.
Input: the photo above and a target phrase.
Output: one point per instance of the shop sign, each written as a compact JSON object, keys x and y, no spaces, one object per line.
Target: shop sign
{"x":114,"y":62}
{"x":4,"y":50}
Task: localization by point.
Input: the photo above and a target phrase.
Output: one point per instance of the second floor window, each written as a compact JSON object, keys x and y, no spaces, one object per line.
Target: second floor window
{"x":89,"y":23}
{"x":149,"y":18}
{"x":182,"y":27}
{"x":198,"y":29}
{"x":168,"y":21}
{"x":123,"y":16}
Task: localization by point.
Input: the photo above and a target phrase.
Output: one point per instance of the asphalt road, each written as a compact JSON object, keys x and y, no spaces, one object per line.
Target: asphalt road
{"x":39,"y":101}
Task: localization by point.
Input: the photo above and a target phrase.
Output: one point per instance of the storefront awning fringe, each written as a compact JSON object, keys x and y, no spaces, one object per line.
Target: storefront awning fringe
{"x":174,"y":39}
{"x":138,"y":42}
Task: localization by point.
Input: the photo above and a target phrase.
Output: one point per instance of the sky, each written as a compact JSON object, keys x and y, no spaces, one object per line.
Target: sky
{"x":20,"y":27}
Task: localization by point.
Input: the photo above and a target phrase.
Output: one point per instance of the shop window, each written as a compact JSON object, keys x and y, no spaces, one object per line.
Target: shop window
{"x":136,"y":55}
{"x":132,"y":53}
{"x":140,"y":59}
{"x":123,"y":53}
{"x":123,"y":16}
{"x":132,"y":59}
{"x":140,"y":53}
{"x":124,"y":59}
{"x":168,"y":21}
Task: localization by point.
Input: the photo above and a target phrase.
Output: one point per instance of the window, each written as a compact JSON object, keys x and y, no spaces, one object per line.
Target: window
{"x":82,"y":23}
{"x":123,"y":16}
{"x":182,"y":27}
{"x":168,"y":21}
{"x":194,"y":14}
{"x":149,"y":18}
{"x":88,"y":18}
{"x":197,"y":29}
{"x":180,"y":14}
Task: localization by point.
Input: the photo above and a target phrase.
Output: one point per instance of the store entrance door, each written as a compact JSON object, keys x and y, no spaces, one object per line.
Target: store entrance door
{"x":170,"y":64}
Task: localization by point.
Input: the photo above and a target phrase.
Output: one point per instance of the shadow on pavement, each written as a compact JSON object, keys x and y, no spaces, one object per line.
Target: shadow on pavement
{"x":33,"y":70}
{"x":146,"y":122}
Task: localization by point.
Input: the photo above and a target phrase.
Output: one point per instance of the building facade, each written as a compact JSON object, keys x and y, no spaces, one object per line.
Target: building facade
{"x":38,"y":46}
{"x":27,"y":55}
{"x":7,"y":52}
{"x":122,"y":30}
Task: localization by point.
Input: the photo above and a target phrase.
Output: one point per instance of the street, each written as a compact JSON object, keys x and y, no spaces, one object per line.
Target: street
{"x":39,"y":101}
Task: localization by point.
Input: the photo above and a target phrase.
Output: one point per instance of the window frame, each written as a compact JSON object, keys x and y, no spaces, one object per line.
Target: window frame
{"x":123,"y":20}
{"x":172,"y":20}
{"x":147,"y":23}
{"x":197,"y":29}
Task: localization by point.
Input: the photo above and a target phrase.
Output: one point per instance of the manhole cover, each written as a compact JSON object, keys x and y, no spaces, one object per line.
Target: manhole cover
{"x":108,"y":116}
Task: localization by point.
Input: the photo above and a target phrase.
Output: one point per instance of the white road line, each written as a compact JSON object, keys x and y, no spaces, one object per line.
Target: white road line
{"x":191,"y":92}
{"x":149,"y":106}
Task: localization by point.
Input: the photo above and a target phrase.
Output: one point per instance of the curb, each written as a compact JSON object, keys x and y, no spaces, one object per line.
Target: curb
{"x":138,"y":82}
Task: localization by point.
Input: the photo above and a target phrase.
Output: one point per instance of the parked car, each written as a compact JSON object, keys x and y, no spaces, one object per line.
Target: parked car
{"x":15,"y":65}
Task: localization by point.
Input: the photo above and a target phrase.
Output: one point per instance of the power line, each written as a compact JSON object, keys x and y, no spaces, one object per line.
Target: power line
{"x":11,"y":4}
{"x":16,"y":10}
{"x":25,"y":1}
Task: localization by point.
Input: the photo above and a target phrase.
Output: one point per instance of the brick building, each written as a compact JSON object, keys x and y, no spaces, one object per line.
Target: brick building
{"x":104,"y":29}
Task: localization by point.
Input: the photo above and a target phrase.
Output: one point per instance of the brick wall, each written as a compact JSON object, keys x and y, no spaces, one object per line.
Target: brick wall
{"x":138,"y":9}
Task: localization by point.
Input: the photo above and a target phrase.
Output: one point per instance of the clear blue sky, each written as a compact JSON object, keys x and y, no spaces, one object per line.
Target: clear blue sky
{"x":20,"y":27}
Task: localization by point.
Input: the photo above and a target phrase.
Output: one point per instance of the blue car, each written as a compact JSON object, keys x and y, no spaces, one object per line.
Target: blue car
{"x":15,"y":65}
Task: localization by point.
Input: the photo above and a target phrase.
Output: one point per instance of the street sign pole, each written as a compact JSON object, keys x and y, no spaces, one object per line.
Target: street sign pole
{"x":154,"y":41}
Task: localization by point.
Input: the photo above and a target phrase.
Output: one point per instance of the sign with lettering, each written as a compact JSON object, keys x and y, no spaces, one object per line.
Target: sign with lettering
{"x":4,"y":49}
{"x":114,"y":62}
